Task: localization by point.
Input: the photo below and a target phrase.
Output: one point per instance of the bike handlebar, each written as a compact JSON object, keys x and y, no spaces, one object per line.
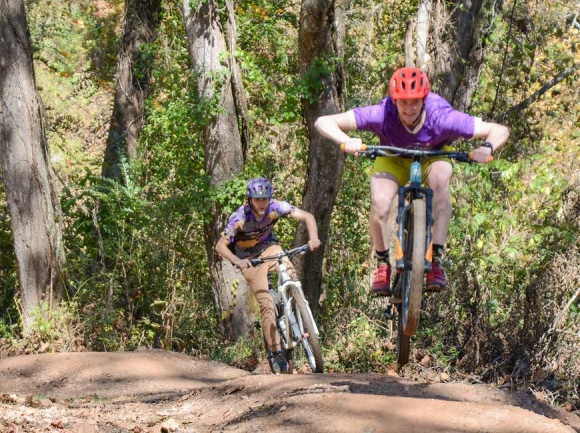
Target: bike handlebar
{"x":285,"y":253}
{"x":374,"y":151}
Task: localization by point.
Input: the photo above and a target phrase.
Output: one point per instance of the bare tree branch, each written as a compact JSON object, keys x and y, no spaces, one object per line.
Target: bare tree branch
{"x":528,"y":101}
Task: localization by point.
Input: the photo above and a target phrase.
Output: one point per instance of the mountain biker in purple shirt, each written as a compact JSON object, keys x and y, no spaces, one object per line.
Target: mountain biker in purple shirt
{"x":411,"y":116}
{"x":248,"y":235}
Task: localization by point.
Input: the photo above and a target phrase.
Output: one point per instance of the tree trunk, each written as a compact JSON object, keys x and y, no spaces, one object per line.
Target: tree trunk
{"x":132,"y":84}
{"x":319,"y":44}
{"x":238,"y":88}
{"x":457,"y":60}
{"x":213,"y":65}
{"x":35,"y":213}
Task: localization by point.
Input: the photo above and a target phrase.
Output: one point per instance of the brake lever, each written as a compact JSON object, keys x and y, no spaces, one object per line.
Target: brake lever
{"x":370,"y":154}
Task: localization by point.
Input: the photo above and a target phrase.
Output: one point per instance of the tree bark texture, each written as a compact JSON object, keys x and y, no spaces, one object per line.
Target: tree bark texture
{"x":321,"y":26}
{"x":213,"y":64}
{"x":458,"y":54}
{"x":240,"y":100}
{"x":32,"y":197}
{"x":132,"y":84}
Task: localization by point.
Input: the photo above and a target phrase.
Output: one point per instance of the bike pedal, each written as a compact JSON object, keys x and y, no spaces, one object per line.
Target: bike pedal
{"x":388,"y":313}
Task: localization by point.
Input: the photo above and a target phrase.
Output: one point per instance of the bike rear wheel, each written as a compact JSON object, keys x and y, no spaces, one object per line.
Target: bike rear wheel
{"x":307,"y":337}
{"x":415,"y":260}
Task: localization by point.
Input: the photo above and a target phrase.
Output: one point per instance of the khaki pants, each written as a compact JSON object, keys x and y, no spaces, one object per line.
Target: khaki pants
{"x":257,"y":278}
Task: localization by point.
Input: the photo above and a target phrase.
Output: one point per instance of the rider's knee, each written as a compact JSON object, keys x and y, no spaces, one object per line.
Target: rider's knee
{"x":440,"y":184}
{"x":380,"y":208}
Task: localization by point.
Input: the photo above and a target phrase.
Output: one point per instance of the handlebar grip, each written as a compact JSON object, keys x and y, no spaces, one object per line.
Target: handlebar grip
{"x":362,"y":148}
{"x":489,"y":158}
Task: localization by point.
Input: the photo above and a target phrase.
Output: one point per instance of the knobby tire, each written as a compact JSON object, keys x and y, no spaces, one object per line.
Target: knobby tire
{"x":302,"y":316}
{"x":414,"y":277}
{"x":403,"y":341}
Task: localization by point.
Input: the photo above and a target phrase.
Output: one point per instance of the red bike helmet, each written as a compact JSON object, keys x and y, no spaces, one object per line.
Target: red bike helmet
{"x":409,"y":83}
{"x":259,"y":187}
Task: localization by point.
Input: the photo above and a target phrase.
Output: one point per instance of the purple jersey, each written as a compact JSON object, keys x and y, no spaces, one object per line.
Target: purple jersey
{"x":248,"y":236}
{"x":442,"y":123}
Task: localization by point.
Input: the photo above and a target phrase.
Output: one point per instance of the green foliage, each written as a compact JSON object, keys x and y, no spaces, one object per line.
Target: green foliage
{"x":137,"y":261}
{"x":358,"y":348}
{"x":312,"y":82}
{"x":6,"y":331}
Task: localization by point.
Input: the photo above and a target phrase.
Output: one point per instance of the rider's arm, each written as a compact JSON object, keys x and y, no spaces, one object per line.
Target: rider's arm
{"x":333,"y":127}
{"x":493,"y":133}
{"x":308,"y":219}
{"x":223,"y":250}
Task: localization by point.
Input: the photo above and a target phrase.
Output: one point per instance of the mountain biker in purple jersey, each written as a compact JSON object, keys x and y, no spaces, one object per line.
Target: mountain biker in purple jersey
{"x":248,"y":235}
{"x":411,"y":115}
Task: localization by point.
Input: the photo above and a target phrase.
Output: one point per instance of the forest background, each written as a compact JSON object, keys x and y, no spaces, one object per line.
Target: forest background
{"x":138,"y":268}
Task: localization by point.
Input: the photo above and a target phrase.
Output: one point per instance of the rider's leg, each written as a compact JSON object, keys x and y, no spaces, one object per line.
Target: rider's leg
{"x":439,"y":178}
{"x":384,"y":187}
{"x":257,"y":279}
{"x":279,"y":362}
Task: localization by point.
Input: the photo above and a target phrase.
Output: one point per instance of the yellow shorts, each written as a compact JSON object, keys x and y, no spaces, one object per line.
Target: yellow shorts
{"x":400,"y":167}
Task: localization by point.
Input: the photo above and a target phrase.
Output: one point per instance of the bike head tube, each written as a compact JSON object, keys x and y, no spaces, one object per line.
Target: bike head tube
{"x":415,"y":174}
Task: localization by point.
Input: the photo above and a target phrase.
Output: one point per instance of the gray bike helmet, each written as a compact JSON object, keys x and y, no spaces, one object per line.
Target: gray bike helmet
{"x":259,"y":187}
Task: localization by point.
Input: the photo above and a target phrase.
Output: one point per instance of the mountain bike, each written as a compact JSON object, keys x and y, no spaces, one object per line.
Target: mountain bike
{"x":294,"y":318}
{"x":413,"y":241}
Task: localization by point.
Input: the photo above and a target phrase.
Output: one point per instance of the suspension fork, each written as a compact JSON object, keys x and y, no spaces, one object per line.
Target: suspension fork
{"x":294,"y":322}
{"x":429,"y":233}
{"x":403,"y":214}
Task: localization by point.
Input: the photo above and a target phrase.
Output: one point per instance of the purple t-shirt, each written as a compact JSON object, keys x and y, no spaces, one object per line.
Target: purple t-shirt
{"x":442,"y":123}
{"x":248,"y":236}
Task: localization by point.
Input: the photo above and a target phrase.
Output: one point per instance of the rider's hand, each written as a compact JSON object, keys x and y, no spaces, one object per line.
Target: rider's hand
{"x":243,"y":263}
{"x":313,"y":244}
{"x":482,"y":155}
{"x":352,"y":145}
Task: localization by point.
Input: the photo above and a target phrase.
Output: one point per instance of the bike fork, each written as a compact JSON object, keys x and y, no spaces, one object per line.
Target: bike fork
{"x":429,"y":234}
{"x":286,"y":298}
{"x":402,"y":215}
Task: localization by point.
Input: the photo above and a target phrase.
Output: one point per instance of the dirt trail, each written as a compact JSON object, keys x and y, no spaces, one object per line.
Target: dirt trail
{"x":157,"y":391}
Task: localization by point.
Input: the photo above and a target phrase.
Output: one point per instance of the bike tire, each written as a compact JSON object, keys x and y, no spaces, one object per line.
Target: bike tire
{"x":310,"y":344}
{"x":415,"y":251}
{"x":284,"y":337}
{"x":403,"y":341}
{"x":289,"y":351}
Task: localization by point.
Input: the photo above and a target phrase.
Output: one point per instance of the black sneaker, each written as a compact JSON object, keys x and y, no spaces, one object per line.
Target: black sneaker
{"x":279,"y":363}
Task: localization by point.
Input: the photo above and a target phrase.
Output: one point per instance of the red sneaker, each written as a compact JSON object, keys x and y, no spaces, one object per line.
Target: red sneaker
{"x":382,"y":280}
{"x":436,"y":278}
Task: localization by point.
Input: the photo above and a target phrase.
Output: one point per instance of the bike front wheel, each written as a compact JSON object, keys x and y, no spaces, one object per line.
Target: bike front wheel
{"x":403,"y":341}
{"x":306,"y":335}
{"x":415,"y":267}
